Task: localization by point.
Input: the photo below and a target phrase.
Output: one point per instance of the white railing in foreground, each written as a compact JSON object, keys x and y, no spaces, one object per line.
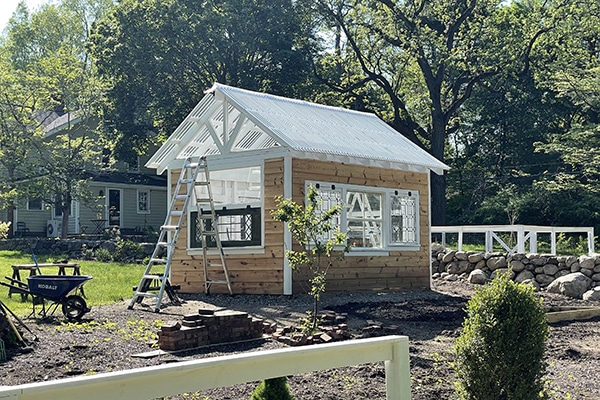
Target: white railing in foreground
{"x":523,"y":233}
{"x":195,"y":375}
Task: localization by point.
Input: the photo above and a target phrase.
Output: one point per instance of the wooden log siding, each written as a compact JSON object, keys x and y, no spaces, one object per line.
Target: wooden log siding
{"x":262,"y":273}
{"x":255,"y":273}
{"x":401,"y":270}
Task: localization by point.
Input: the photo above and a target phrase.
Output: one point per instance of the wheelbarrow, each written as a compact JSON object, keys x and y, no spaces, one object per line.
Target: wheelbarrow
{"x":56,"y":289}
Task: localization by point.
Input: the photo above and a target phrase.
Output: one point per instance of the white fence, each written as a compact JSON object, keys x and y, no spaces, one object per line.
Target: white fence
{"x":523,"y":233}
{"x":192,"y":376}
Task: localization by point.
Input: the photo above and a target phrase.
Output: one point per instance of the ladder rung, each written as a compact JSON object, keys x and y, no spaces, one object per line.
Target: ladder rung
{"x":181,"y":196}
{"x":187,"y":180}
{"x":176,"y":213}
{"x":214,"y":265}
{"x":146,"y":294}
{"x":169,"y":227}
{"x":164,"y":244}
{"x":204,"y":200}
{"x":158,"y":260}
{"x":202,"y":183}
{"x":191,"y":165}
{"x":153,"y":277}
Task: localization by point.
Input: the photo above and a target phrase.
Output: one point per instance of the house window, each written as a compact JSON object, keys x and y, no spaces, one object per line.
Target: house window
{"x":35,"y":205}
{"x":143,"y":202}
{"x":329,"y":196}
{"x":363,"y":216}
{"x":237,"y":228}
{"x":373,"y":218}
{"x":237,"y":198}
{"x":404,"y":210}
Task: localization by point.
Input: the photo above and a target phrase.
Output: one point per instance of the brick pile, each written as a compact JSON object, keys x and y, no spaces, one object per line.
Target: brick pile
{"x":208,"y":327}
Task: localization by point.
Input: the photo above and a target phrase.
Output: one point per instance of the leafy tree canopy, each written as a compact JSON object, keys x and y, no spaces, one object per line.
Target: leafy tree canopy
{"x":162,"y":54}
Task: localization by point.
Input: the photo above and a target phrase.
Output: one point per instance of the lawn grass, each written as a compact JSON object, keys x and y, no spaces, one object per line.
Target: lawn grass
{"x":111,"y":282}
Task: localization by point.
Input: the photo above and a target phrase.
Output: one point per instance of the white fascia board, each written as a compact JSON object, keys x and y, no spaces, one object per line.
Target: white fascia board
{"x":367,"y":162}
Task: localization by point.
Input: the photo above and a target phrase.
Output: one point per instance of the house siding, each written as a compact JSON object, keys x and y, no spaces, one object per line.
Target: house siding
{"x":262,"y":272}
{"x":400,"y":270}
{"x":254,"y":273}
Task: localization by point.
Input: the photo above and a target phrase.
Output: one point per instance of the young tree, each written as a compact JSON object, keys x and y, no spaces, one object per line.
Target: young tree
{"x":21,"y":94}
{"x":316,"y":239}
{"x":49,"y":45}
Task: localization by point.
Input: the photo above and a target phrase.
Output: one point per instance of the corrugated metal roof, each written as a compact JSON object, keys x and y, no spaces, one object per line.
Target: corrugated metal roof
{"x":229,"y":120}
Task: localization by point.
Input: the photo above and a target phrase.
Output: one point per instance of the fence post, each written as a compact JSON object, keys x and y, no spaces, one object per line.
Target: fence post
{"x":397,"y":371}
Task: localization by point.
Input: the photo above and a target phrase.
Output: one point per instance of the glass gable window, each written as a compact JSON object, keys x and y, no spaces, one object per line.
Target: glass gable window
{"x":237,"y":197}
{"x":373,"y":218}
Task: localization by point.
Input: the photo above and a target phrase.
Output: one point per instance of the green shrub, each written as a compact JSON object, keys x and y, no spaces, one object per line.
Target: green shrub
{"x":4,"y":228}
{"x":103,"y":255}
{"x":500,"y":353}
{"x":272,"y":389}
{"x":128,"y":251}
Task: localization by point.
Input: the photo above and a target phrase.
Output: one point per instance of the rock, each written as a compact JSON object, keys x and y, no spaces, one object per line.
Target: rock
{"x":493,"y":263}
{"x":587,"y":262}
{"x":533,"y":283}
{"x":572,"y":285}
{"x":517,"y":266}
{"x":523,"y":276}
{"x":451,"y":277}
{"x":461,"y":256}
{"x":457,"y":267}
{"x":570,"y":260}
{"x":575,"y":267}
{"x":544,"y":279}
{"x":550,"y":269}
{"x":477,"y":277}
{"x":448,"y":257}
{"x":539,"y":261}
{"x":593,"y":294}
{"x":587,"y":272}
{"x":562,"y":272}
{"x":596,"y":277}
{"x":475,"y":258}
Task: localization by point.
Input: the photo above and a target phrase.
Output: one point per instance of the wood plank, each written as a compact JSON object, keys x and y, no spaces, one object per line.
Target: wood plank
{"x":558,"y":314}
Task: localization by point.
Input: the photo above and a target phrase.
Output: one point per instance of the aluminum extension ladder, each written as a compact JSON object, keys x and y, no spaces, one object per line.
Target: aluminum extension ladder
{"x":208,"y":228}
{"x":158,"y":281}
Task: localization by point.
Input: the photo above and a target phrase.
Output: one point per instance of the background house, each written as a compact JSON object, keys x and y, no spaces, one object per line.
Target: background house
{"x":260,"y":146}
{"x":128,"y":196}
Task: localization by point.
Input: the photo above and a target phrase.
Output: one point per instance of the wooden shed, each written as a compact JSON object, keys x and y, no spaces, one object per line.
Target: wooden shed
{"x":258,"y":147}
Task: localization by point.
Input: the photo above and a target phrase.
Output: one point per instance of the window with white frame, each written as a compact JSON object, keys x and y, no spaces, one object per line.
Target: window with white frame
{"x":373,"y":218}
{"x":237,"y":197}
{"x":35,"y":205}
{"x":143,"y":202}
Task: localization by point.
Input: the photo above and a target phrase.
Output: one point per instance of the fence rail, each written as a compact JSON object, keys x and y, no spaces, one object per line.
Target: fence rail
{"x":523,"y":233}
{"x":195,"y":375}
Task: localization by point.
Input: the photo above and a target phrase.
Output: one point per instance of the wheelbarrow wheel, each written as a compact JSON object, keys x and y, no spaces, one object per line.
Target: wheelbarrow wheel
{"x":74,"y":307}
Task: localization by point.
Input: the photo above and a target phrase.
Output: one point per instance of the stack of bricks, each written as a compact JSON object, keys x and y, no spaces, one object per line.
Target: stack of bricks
{"x":209,"y":327}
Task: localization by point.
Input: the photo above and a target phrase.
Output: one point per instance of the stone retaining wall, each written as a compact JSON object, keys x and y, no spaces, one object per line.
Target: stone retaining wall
{"x":539,"y":269}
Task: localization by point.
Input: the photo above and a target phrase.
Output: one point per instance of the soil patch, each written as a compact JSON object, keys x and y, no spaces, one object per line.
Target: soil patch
{"x":110,"y":337}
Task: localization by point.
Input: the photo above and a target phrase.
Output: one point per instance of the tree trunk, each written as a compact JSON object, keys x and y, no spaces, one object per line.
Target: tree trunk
{"x":438,"y":182}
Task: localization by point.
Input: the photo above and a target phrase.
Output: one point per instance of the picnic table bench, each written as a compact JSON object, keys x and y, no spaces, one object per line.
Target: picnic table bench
{"x":33,"y":269}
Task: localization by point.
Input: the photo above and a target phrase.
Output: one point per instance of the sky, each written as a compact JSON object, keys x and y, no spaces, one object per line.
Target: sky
{"x":7,"y":7}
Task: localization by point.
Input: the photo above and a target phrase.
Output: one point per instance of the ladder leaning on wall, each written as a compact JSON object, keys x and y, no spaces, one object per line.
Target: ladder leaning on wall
{"x":162,"y":256}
